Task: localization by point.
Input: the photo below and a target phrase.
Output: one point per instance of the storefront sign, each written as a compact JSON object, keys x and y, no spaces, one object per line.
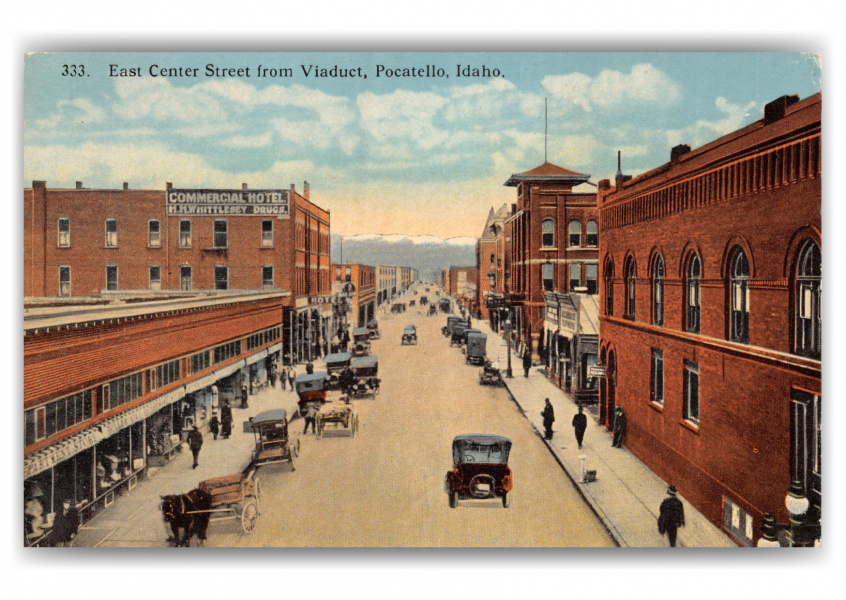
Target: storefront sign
{"x":495,"y":302}
{"x":594,"y":371}
{"x":552,"y":314}
{"x":228,"y":202}
{"x":568,"y":319}
{"x":321,"y":299}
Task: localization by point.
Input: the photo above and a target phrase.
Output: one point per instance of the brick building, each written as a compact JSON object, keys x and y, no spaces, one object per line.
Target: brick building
{"x":125,"y":243}
{"x":363,"y":299}
{"x":710,"y":316}
{"x":462,"y":284}
{"x":553,"y":233}
{"x":489,"y":262}
{"x":387,"y":278}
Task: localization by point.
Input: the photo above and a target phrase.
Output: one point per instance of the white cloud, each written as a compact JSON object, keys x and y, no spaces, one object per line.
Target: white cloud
{"x":156,"y":97}
{"x":644,"y":84}
{"x":704,"y":131}
{"x":248,"y":141}
{"x":402,"y":114}
{"x":85,"y":110}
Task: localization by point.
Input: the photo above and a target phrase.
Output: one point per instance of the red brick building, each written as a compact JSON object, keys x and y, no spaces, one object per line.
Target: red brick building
{"x":462,"y":284}
{"x":363,"y":300}
{"x":554,"y":235}
{"x":710,"y":316}
{"x":115,"y":243}
{"x":489,"y":262}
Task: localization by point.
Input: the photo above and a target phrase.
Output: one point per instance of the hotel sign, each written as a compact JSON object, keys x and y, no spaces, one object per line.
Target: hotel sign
{"x":228,"y":202}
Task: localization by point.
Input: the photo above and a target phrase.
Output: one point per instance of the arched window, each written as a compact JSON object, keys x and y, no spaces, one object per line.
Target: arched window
{"x":658,"y":291}
{"x":808,"y":290}
{"x":592,"y":234}
{"x":693,"y":308}
{"x":575,"y":231}
{"x":548,"y":233}
{"x":739,"y":297}
{"x":609,"y":288}
{"x":630,"y":288}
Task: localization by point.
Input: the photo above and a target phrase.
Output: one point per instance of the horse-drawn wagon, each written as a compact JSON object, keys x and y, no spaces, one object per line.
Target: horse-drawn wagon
{"x":340,"y":418}
{"x":272,"y":443}
{"x":234,"y":496}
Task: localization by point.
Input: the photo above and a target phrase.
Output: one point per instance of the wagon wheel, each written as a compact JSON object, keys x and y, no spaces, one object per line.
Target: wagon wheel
{"x":353,"y":424}
{"x":319,"y":427}
{"x":506,"y":499}
{"x":296,"y":448}
{"x":258,"y":496}
{"x":249,"y":515}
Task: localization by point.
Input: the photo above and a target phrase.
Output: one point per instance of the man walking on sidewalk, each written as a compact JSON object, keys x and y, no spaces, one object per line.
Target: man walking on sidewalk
{"x":671,"y":515}
{"x":619,"y":427}
{"x":548,"y":419}
{"x":580,"y":424}
{"x":195,"y":441}
{"x":527,"y":361}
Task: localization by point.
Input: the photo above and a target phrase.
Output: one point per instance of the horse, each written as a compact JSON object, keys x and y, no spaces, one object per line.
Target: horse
{"x":190,"y":512}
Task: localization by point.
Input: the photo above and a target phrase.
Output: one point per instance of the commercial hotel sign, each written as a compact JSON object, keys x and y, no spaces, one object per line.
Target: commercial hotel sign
{"x":228,"y":202}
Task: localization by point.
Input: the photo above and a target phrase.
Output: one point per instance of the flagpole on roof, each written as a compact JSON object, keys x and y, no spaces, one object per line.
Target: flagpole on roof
{"x":544,"y":129}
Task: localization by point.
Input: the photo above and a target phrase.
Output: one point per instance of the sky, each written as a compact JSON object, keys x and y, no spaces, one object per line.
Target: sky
{"x":390,"y":143}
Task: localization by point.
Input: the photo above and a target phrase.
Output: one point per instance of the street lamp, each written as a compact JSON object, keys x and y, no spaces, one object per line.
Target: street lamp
{"x":797,"y":505}
{"x":507,"y":327}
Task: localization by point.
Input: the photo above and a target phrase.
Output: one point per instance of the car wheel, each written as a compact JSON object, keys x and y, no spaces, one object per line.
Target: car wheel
{"x":506,"y":500}
{"x":453,"y":499}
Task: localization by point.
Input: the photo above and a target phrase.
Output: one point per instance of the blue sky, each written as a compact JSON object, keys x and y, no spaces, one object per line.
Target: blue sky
{"x":413,"y":155}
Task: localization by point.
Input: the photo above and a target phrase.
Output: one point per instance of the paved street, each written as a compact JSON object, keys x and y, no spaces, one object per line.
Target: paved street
{"x":384,"y":487}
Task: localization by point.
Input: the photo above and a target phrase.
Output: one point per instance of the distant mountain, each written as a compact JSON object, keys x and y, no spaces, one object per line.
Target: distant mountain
{"x":426,"y":253}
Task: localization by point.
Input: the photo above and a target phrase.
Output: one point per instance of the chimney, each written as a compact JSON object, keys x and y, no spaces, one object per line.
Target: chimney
{"x":678,"y":151}
{"x":776,"y":109}
{"x":79,"y":185}
{"x":619,"y":178}
{"x":126,"y":185}
{"x":243,"y":186}
{"x":293,"y":189}
{"x":305,"y":190}
{"x":168,"y":185}
{"x":38,"y":185}
{"x":604,"y":184}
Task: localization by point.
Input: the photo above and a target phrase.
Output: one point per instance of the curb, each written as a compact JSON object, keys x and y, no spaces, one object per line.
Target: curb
{"x":592,"y":504}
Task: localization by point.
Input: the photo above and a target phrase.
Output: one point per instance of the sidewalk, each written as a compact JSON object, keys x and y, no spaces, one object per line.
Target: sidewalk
{"x":626,"y":494}
{"x":135,"y":517}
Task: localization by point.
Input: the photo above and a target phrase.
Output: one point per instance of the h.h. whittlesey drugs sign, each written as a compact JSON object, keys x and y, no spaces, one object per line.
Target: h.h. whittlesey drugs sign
{"x":228,"y":202}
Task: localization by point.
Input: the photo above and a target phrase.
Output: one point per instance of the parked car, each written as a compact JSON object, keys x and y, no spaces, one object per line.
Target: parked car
{"x":480,"y":469}
{"x":409,"y":335}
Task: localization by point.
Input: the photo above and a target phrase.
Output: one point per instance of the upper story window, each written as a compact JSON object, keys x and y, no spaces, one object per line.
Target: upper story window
{"x":547,"y":274}
{"x":658,"y":291}
{"x":64,"y":280}
{"x":739,"y":292}
{"x":184,"y":233}
{"x":267,"y":276}
{"x":185,"y":278}
{"x":221,"y":277}
{"x":267,"y":233}
{"x":154,"y":233}
{"x":221,"y":235}
{"x":575,"y":276}
{"x":609,"y":288}
{"x":808,"y":287}
{"x":155,"y":277}
{"x":592,"y":278}
{"x":547,"y":234}
{"x":691,"y":392}
{"x":630,"y":287}
{"x":575,"y":233}
{"x":692,"y":291}
{"x":111,"y":233}
{"x":592,"y":234}
{"x":657,"y":387}
{"x":64,"y":232}
{"x":111,"y":277}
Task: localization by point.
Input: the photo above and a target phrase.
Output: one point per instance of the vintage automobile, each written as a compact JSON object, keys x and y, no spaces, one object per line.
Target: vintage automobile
{"x":433,"y":310}
{"x":335,"y":364}
{"x":310,"y":387}
{"x":475,"y":353}
{"x":452,"y":321}
{"x":411,"y":303}
{"x":409,"y":335}
{"x":361,"y":341}
{"x":459,"y":333}
{"x":398,"y":307}
{"x":366,"y":380}
{"x":272,"y":443}
{"x":480,"y":469}
{"x":490,"y":374}
{"x":424,"y":300}
{"x":373,"y":328}
{"x":444,"y":304}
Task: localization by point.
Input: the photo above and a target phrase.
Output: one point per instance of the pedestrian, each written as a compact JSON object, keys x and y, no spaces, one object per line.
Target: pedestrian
{"x":671,"y":515}
{"x":310,"y":368}
{"x":195,"y":441}
{"x":226,"y":420}
{"x":272,"y":377}
{"x":548,"y":414}
{"x":66,"y":524}
{"x":619,"y":427}
{"x":291,"y":378}
{"x":310,"y":417}
{"x":527,"y":361}
{"x":214,"y":425}
{"x":580,"y":424}
{"x":244,"y":395}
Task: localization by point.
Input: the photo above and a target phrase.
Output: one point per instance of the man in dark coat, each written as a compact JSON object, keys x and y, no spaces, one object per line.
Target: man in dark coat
{"x":244,"y":395}
{"x":548,"y":414}
{"x":272,"y":377}
{"x":527,"y":362}
{"x":291,"y":378}
{"x":66,"y":524}
{"x":671,"y":515}
{"x":214,"y":425}
{"x":226,"y":420}
{"x":619,"y":427}
{"x":195,"y":441}
{"x":580,"y":424}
